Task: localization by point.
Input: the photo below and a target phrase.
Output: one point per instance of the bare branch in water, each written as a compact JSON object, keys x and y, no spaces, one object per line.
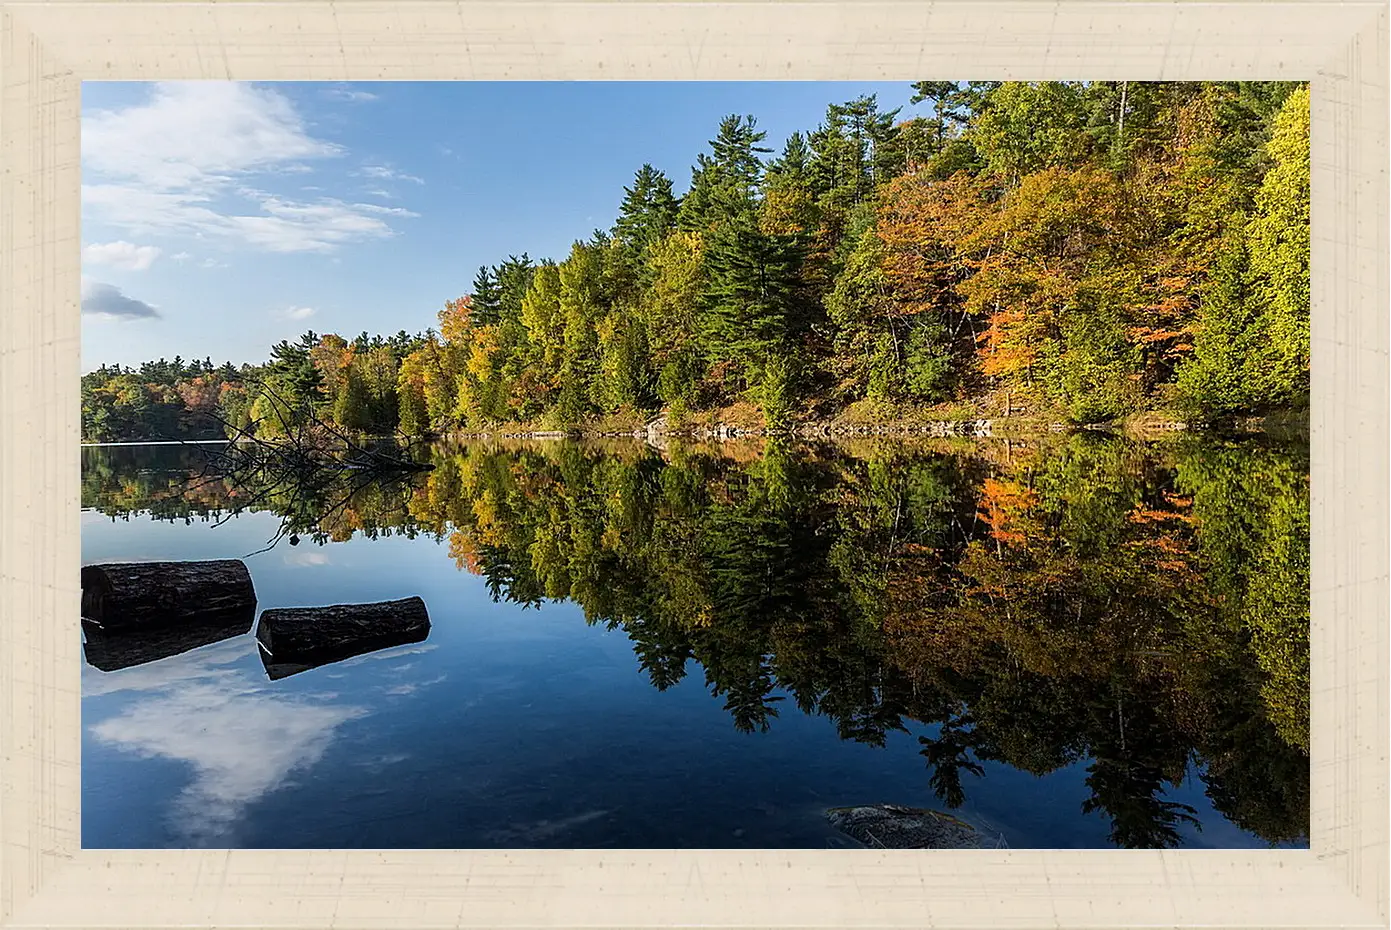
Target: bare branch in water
{"x":308,"y":458}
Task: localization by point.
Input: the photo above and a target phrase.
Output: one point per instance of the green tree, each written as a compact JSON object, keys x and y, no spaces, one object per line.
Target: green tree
{"x":353,"y":408}
{"x":1216,"y":380}
{"x":486,"y":304}
{"x":748,"y":297}
{"x":1279,"y":249}
{"x":647,"y":214}
{"x":724,"y":184}
{"x":1029,"y":126}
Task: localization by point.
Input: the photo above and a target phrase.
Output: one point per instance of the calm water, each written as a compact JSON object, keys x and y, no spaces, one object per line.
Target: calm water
{"x":1083,"y":643}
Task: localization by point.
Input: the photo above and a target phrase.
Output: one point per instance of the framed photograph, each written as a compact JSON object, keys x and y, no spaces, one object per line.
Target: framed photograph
{"x":703,"y":464}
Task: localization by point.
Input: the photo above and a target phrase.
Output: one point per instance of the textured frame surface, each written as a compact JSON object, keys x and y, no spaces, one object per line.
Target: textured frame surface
{"x":48,"y":48}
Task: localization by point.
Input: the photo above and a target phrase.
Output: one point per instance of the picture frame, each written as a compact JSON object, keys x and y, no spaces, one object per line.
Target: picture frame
{"x":48,"y":48}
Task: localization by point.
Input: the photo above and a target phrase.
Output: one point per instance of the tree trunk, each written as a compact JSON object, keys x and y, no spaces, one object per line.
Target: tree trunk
{"x":129,"y":595}
{"x":110,"y":650}
{"x":296,"y":639}
{"x":1120,"y":134}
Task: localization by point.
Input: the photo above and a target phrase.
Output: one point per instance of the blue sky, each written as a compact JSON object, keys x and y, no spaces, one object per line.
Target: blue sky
{"x":221,"y":217}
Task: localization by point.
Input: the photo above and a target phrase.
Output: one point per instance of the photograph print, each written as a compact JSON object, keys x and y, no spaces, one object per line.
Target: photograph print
{"x":758,"y":465}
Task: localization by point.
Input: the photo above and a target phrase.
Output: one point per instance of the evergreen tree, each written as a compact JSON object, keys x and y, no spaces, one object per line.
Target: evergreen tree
{"x":697,"y":206}
{"x":648,"y":212}
{"x":486,"y":300}
{"x":292,"y":375}
{"x":725,"y":183}
{"x":513,"y":277}
{"x":749,"y":295}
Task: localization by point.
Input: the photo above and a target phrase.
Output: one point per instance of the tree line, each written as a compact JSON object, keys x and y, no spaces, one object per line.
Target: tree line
{"x":1075,"y":250}
{"x":352,"y":384}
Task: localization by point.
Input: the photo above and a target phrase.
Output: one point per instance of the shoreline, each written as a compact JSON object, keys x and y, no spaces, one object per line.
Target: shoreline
{"x":1144,"y":426}
{"x":724,"y":431}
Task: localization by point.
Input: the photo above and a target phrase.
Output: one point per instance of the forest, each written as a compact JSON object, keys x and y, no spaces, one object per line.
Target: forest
{"x":1074,"y":252}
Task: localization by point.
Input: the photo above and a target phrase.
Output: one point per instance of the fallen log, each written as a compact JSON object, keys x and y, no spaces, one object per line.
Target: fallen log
{"x":111,"y":650}
{"x":125,"y":595}
{"x":296,"y":639}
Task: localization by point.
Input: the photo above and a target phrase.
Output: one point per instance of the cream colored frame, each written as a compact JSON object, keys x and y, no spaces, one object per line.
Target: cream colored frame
{"x":47,"y":49}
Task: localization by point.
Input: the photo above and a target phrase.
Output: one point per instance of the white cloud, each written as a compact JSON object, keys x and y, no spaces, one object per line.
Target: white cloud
{"x":121,"y":254}
{"x":350,"y":94}
{"x":192,"y":133}
{"x":181,"y":257}
{"x":107,"y":301}
{"x":177,"y":165}
{"x":299,"y":313}
{"x":387,"y":173}
{"x":384,"y":211}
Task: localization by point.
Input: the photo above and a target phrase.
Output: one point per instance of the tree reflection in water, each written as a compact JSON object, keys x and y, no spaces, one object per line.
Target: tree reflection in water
{"x":1139,"y":609}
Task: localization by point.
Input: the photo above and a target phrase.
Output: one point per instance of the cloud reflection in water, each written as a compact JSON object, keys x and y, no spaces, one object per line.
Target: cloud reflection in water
{"x":242,"y":739}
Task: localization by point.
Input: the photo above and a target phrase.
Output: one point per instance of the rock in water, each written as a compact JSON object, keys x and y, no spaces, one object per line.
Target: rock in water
{"x":296,"y":639}
{"x":127,"y":595}
{"x":889,"y":826}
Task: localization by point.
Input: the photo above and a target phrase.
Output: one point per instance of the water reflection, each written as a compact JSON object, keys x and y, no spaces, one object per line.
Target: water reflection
{"x":110,"y":650}
{"x":1138,"y":611}
{"x":240,"y":740}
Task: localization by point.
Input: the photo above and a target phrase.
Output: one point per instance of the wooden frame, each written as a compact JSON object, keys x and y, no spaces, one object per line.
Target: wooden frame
{"x":48,"y":48}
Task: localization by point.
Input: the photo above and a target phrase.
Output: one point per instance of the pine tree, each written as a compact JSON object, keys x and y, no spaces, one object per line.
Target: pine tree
{"x":749,"y":295}
{"x":725,"y":183}
{"x":648,"y":212}
{"x":486,"y":299}
{"x":513,"y":277}
{"x":295,"y":379}
{"x":697,"y":207}
{"x":737,"y":152}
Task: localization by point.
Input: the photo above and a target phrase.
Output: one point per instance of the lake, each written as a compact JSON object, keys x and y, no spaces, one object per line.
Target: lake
{"x":1075,"y":640}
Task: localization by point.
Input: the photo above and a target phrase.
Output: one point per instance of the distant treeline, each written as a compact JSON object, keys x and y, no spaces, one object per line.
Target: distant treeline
{"x":1080,"y":250}
{"x":199,"y":400}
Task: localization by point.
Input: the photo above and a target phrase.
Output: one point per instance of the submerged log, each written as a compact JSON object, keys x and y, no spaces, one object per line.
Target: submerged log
{"x":296,"y":639}
{"x":110,"y":650}
{"x":124,"y":595}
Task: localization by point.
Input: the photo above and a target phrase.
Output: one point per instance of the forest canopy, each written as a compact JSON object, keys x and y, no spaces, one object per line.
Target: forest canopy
{"x":1077,"y":251}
